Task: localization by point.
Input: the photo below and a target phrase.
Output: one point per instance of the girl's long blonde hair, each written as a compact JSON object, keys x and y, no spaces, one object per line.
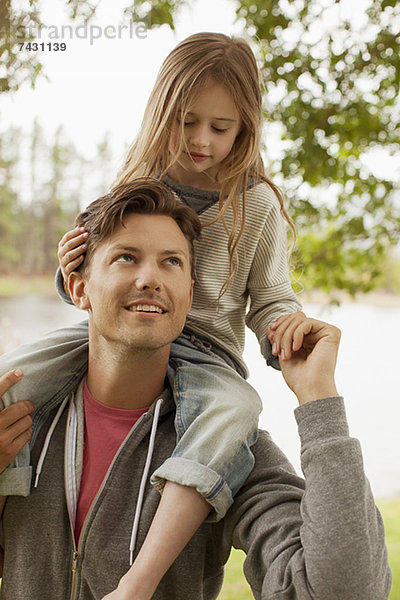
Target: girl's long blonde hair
{"x":197,"y":60}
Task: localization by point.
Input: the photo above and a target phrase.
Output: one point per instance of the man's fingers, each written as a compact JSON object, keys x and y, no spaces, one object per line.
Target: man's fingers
{"x":310,"y":331}
{"x":15,"y":430}
{"x":9,"y":452}
{"x":14,"y":413}
{"x":15,"y":422}
{"x":287,"y":336}
{"x":296,"y":331}
{"x":9,"y":379}
{"x":298,"y":337}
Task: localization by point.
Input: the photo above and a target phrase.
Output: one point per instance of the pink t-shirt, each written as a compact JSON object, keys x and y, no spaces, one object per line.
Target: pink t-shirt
{"x":105,"y":430}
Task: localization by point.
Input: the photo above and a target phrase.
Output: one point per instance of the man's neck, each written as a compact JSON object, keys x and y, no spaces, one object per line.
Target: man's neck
{"x":127,"y":382}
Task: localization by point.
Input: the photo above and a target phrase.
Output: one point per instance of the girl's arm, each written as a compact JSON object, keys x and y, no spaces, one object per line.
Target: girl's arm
{"x":180,"y":513}
{"x":269,"y":286}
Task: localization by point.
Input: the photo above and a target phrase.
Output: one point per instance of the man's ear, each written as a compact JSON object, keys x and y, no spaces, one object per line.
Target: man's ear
{"x":77,"y":290}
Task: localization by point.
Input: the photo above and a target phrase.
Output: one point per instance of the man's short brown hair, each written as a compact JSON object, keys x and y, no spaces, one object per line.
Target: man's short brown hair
{"x":140,"y":196}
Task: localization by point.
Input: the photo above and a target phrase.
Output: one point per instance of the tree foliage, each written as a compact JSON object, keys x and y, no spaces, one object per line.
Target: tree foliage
{"x":331,"y":73}
{"x":17,"y":67}
{"x":334,"y":89}
{"x":42,"y":185}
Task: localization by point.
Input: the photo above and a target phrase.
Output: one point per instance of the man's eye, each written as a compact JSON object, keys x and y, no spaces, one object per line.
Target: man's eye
{"x":125,"y":258}
{"x":174,"y":261}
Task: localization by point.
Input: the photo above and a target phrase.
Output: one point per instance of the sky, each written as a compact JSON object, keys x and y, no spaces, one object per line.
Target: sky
{"x":103,"y":84}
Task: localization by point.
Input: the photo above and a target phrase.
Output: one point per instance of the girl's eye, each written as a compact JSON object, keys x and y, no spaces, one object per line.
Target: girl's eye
{"x":219,"y":130}
{"x":185,"y":123}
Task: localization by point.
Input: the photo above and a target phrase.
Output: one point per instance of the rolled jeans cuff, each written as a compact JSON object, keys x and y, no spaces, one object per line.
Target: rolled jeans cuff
{"x":16,"y":481}
{"x":192,"y":474}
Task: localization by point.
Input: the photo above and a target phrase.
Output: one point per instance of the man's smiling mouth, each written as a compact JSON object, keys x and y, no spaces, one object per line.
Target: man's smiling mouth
{"x":146,"y":308}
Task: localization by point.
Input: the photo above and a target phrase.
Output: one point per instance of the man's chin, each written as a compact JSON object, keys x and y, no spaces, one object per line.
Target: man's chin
{"x":146,"y":344}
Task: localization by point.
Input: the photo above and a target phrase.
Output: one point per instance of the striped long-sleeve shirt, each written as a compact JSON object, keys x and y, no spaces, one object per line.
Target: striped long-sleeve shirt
{"x":260,"y":291}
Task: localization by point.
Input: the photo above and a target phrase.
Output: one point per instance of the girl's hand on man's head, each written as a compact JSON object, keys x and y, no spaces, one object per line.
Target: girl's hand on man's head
{"x":71,"y":251}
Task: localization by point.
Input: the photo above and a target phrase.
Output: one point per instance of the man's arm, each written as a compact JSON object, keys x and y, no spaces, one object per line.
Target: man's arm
{"x":15,"y":431}
{"x":321,"y":537}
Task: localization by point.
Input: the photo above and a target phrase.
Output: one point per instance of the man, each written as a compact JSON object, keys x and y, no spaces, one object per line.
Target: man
{"x":321,"y":538}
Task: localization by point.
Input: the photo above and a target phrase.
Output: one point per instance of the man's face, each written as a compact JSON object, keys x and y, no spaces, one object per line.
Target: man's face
{"x":138,"y":288}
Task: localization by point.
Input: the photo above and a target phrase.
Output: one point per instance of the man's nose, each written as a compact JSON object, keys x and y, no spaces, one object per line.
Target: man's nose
{"x":148,"y":279}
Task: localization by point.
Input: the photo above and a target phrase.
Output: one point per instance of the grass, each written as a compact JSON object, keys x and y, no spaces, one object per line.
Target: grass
{"x":13,"y":285}
{"x":235,"y":585}
{"x":236,"y":588}
{"x":390,"y":510}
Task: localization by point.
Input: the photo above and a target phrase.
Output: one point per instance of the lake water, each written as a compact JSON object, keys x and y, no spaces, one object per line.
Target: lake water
{"x":368,"y":376}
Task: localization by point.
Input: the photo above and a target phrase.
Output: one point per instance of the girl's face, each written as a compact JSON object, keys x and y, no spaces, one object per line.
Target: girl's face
{"x":210,"y":129}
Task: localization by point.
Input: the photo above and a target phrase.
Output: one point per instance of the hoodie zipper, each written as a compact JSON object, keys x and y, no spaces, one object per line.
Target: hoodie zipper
{"x":76,"y":554}
{"x":75,"y":557}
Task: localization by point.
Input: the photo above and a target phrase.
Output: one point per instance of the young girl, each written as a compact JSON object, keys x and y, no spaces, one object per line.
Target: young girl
{"x":201,"y":136}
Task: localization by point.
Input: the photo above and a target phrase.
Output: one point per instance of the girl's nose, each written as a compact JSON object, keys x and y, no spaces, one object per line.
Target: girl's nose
{"x":199,"y":136}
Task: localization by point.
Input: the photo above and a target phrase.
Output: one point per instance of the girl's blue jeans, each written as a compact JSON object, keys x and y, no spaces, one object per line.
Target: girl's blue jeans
{"x":216,"y":412}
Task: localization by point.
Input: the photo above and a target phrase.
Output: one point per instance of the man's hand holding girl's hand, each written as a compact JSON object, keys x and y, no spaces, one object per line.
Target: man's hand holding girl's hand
{"x":282,"y":335}
{"x":309,"y":355}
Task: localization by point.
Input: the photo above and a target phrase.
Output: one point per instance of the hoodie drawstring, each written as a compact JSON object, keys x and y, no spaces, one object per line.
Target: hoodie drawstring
{"x":144,"y":479}
{"x":146,"y":469}
{"x":48,"y":438}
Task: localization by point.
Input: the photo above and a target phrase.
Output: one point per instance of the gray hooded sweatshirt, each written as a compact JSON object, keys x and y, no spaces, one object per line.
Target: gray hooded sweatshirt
{"x":318,"y":538}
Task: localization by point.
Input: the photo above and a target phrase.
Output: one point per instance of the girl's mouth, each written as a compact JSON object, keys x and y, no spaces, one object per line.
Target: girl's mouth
{"x":197,"y":156}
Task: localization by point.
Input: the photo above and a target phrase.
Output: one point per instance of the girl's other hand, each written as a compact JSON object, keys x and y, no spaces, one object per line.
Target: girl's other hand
{"x":282,"y":335}
{"x":71,"y":250}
